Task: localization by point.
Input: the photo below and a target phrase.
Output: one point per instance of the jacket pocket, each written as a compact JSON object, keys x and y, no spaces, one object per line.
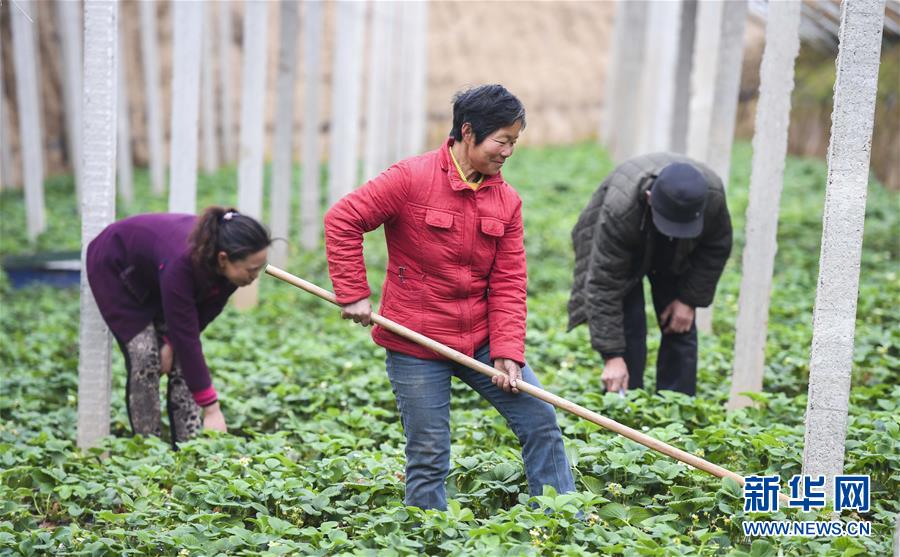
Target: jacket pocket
{"x":438,"y":219}
{"x":131,"y":283}
{"x":492,"y":227}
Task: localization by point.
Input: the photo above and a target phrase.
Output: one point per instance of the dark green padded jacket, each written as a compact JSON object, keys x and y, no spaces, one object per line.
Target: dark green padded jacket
{"x":613,"y":243}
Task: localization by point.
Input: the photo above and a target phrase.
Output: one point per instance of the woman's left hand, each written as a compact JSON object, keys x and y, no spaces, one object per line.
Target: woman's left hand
{"x":513,"y":374}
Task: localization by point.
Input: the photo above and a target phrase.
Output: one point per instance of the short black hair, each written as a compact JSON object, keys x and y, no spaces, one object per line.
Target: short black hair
{"x":487,"y":108}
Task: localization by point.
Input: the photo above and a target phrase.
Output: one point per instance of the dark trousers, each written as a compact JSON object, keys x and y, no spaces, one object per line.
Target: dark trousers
{"x":676,"y":363}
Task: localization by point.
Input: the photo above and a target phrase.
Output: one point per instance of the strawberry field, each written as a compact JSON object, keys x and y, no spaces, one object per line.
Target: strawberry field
{"x":313,"y":463}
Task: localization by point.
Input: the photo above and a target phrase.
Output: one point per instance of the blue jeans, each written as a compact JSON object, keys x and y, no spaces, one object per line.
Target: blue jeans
{"x":422,"y":389}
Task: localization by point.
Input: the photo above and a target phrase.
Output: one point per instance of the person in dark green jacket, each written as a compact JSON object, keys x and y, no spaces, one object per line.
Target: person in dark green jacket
{"x":662,"y":216}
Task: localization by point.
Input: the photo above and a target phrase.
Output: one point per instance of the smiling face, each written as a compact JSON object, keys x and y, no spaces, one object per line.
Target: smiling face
{"x":488,"y":156}
{"x":243,"y":271}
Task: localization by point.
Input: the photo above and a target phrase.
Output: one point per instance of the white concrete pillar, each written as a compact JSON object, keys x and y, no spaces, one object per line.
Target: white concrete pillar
{"x":253,"y":97}
{"x":682,"y":100}
{"x":283,"y":160}
{"x":834,"y":316}
{"x":380,"y":86}
{"x":6,"y":169}
{"x":416,"y":117}
{"x":152,"y":89}
{"x":229,"y":144}
{"x":658,"y":77}
{"x":208,"y":97}
{"x":343,"y":153}
{"x":773,"y":113}
{"x":69,"y":21}
{"x":627,"y":59}
{"x":715,"y":86}
{"x":98,"y":209}
{"x":310,"y":204}
{"x":25,"y":60}
{"x":124,"y":160}
{"x":188,"y":41}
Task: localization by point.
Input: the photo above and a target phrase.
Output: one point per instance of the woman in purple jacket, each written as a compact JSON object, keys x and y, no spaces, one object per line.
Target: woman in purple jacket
{"x":159,"y":280}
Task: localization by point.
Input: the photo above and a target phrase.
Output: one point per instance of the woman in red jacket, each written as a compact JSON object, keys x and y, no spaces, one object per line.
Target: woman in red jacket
{"x":456,"y":273}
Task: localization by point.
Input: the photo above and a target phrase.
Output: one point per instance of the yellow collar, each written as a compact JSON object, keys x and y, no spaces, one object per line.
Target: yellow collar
{"x":473,"y":185}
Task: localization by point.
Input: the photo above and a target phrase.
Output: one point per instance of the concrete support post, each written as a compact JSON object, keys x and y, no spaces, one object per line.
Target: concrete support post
{"x":715,"y":84}
{"x":188,"y":37}
{"x":208,"y":97}
{"x":766,"y":179}
{"x":658,"y":77}
{"x":629,"y":42}
{"x":283,"y":160}
{"x":834,"y":316}
{"x":343,"y":153}
{"x":124,"y":160}
{"x":310,"y":199}
{"x":225,"y":78}
{"x":153,"y":85}
{"x":252,"y":138}
{"x":69,"y":20}
{"x":98,"y":209}
{"x":25,"y":60}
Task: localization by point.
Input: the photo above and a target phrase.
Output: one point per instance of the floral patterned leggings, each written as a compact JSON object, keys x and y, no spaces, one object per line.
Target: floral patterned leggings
{"x":142,"y":361}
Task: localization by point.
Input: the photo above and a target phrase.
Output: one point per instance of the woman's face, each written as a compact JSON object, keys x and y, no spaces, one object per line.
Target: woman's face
{"x":488,"y":156}
{"x":243,"y":271}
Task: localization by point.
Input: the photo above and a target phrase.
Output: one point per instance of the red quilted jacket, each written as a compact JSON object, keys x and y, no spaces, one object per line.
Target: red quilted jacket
{"x":456,"y":259}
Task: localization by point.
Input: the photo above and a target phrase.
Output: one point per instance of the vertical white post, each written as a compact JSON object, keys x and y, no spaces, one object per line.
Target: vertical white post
{"x":153,"y":85}
{"x":681,"y":102}
{"x":715,"y":84}
{"x":344,"y":150}
{"x":657,"y":86}
{"x":225,"y":78}
{"x":188,"y":40}
{"x":417,"y":115}
{"x":622,"y":106}
{"x":253,"y":97}
{"x":6,"y":169}
{"x":98,"y":209}
{"x":309,"y":181}
{"x":207,"y":98}
{"x":125,"y":164}
{"x":68,"y":15}
{"x":25,"y":60}
{"x":282,"y":161}
{"x":378,"y":127}
{"x":766,"y":179}
{"x":834,"y":316}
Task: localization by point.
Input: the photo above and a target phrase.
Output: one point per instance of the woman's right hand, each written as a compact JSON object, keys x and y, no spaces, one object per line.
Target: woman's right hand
{"x":213,"y":418}
{"x":359,"y":311}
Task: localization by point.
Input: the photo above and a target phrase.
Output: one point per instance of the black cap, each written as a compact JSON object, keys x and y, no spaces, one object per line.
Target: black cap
{"x":678,"y":198}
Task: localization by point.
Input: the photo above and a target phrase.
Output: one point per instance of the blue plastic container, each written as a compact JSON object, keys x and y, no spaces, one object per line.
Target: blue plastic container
{"x":59,"y":269}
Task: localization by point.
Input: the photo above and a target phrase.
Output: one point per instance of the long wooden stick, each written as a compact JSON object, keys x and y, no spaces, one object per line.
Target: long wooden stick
{"x":537,"y":392}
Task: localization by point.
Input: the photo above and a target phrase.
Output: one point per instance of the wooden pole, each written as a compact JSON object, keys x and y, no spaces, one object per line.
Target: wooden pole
{"x":537,"y":392}
{"x":98,"y":209}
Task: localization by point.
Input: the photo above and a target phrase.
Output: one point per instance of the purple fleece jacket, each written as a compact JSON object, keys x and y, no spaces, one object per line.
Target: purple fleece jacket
{"x":140,"y":270}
